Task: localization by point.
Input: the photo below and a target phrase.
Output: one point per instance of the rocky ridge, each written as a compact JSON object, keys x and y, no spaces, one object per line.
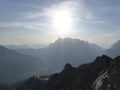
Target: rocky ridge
{"x":101,"y":74}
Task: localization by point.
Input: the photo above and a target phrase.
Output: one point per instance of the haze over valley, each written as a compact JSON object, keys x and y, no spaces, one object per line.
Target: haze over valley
{"x":59,"y":44}
{"x":23,"y":63}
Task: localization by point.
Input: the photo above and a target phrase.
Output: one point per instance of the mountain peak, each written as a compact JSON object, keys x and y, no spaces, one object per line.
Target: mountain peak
{"x":68,"y":39}
{"x":103,"y":58}
{"x":67,"y":66}
{"x":103,"y":61}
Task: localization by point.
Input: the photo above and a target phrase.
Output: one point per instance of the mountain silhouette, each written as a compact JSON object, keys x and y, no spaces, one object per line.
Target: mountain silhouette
{"x":66,"y":50}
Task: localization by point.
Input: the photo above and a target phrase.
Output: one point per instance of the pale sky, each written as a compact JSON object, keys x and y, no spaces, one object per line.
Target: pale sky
{"x":33,"y":22}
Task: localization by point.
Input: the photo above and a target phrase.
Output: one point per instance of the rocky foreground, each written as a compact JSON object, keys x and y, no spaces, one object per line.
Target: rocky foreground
{"x":101,"y":74}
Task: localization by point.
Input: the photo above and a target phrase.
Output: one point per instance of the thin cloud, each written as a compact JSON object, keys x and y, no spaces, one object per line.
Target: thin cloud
{"x":33,"y":26}
{"x":32,"y":15}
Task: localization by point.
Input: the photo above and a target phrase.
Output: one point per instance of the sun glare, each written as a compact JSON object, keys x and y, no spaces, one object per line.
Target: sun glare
{"x":62,"y":21}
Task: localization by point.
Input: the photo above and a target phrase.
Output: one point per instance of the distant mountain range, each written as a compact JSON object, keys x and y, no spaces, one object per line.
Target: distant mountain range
{"x":66,"y":50}
{"x":23,"y":46}
{"x":114,"y":50}
{"x":15,"y":66}
{"x":68,"y":43}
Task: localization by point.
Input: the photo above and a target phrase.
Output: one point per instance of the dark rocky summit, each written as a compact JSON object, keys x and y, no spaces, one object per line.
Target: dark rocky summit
{"x":102,"y":74}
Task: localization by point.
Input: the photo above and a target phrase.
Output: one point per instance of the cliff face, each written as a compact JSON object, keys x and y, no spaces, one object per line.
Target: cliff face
{"x":89,"y":76}
{"x":109,"y":78}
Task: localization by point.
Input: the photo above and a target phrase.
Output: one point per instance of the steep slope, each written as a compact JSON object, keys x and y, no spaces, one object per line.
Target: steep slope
{"x":110,"y":78}
{"x":66,"y":50}
{"x":15,"y":66}
{"x":114,"y":51}
{"x":80,"y":78}
{"x":71,"y":78}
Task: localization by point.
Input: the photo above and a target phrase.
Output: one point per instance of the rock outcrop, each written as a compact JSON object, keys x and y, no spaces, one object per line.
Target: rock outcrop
{"x":110,"y":78}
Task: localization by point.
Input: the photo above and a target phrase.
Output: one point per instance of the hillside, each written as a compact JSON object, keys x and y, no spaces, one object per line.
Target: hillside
{"x":15,"y":66}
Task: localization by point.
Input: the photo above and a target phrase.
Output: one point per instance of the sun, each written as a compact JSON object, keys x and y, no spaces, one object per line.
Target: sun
{"x":62,"y":21}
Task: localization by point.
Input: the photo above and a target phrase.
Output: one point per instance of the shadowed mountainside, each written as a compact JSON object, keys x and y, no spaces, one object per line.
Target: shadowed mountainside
{"x":85,"y":77}
{"x":16,"y":66}
{"x":109,"y":79}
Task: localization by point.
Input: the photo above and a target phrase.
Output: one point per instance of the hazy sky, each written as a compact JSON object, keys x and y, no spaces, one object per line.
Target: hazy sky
{"x":43,"y":21}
